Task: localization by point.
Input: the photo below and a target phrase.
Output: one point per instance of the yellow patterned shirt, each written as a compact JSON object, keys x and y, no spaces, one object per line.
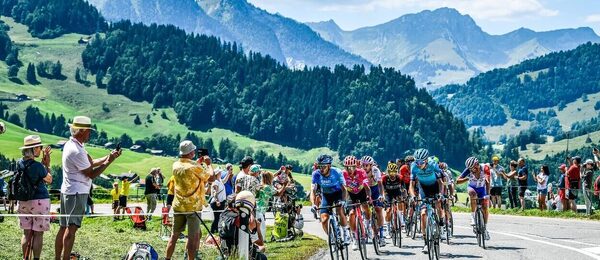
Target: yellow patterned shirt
{"x":190,"y":180}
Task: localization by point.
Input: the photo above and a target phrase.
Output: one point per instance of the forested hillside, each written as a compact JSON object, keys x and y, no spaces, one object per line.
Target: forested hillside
{"x":552,"y":80}
{"x":213,"y":84}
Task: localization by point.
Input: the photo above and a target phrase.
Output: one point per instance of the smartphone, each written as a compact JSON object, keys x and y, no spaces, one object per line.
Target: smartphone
{"x":202,"y":152}
{"x":118,"y":148}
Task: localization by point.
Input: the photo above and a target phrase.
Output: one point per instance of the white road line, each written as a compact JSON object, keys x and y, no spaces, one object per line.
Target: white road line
{"x":587,"y":253}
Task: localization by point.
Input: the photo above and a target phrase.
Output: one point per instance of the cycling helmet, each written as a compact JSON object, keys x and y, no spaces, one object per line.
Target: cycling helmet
{"x":409,"y":159}
{"x":392,"y":168}
{"x":367,"y":160}
{"x":471,"y":161}
{"x":443,"y":165}
{"x":324,"y":159}
{"x":495,"y":158}
{"x":421,"y":154}
{"x":350,"y":160}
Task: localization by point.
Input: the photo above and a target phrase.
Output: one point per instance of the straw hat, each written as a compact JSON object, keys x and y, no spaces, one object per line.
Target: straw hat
{"x":31,"y":141}
{"x":81,"y":122}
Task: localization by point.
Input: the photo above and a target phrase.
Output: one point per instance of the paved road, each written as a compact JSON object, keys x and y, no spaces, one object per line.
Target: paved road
{"x":512,"y":237}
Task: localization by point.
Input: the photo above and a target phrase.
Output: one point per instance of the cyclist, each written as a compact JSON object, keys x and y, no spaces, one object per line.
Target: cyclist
{"x":374,"y":175}
{"x":392,"y":190}
{"x":331,"y":182}
{"x":479,"y":187}
{"x":405,"y":177}
{"x":428,"y":175}
{"x":357,"y":186}
{"x":448,"y":180}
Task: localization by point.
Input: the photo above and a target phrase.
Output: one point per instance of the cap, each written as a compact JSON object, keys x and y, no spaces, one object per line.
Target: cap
{"x":563,"y":167}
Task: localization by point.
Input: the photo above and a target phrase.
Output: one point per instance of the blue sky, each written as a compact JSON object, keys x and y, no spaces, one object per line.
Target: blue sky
{"x":493,"y":16}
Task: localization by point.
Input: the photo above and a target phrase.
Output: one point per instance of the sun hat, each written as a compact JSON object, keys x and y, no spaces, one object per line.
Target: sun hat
{"x":81,"y":122}
{"x":31,"y":141}
{"x":186,"y":147}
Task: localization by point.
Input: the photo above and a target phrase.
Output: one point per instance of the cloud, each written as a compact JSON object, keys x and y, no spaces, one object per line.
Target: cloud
{"x":594,"y":18}
{"x":481,"y":9}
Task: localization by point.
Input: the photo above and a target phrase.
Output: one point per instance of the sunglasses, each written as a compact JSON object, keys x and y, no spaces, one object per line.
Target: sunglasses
{"x":351,"y":168}
{"x":420,"y":162}
{"x":322,"y":166}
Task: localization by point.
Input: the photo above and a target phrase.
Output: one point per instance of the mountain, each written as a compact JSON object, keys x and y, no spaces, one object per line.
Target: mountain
{"x":546,"y":84}
{"x":442,"y":46}
{"x":289,"y":42}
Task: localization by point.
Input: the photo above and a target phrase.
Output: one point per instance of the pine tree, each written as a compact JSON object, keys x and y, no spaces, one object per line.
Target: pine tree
{"x":13,"y":71}
{"x":137,"y":120}
{"x":31,"y":78}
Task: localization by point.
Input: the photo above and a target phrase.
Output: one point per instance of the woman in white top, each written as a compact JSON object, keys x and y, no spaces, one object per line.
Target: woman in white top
{"x":217,"y":203}
{"x":542,"y":185}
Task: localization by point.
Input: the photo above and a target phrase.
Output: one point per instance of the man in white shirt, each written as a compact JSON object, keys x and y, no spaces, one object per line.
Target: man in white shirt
{"x":78,"y":171}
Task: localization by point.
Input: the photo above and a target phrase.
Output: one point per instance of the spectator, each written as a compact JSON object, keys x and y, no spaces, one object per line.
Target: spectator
{"x":2,"y":128}
{"x":245,"y":167}
{"x":522,"y":174}
{"x":123,"y":194}
{"x":249,"y":181}
{"x":170,"y":192}
{"x":496,"y":175}
{"x":551,"y":200}
{"x":262,"y":201}
{"x":151,"y":190}
{"x":562,"y":196}
{"x":587,"y":175}
{"x":284,"y":183}
{"x":190,"y":178}
{"x":572,"y":182}
{"x":542,"y":185}
{"x":114,"y":193}
{"x":512,"y":185}
{"x":90,"y":201}
{"x":78,"y":171}
{"x":597,"y":190}
{"x":236,"y":243}
{"x":218,"y":199}
{"x":228,"y":179}
{"x":38,"y":175}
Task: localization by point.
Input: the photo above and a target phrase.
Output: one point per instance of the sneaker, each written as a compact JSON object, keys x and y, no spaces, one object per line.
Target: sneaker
{"x":314,"y":211}
{"x":424,"y":250}
{"x":487,"y":235}
{"x":347,"y":237}
{"x":354,"y":245}
{"x":472,"y":220}
{"x":443,"y":234}
{"x":388,"y":233}
{"x":402,"y":222}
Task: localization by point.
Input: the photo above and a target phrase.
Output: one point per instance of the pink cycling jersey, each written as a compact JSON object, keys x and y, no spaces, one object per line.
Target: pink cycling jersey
{"x":354,"y":184}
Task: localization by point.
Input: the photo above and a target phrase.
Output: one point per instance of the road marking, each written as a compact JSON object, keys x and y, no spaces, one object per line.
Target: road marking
{"x":581,"y":251}
{"x":594,"y":250}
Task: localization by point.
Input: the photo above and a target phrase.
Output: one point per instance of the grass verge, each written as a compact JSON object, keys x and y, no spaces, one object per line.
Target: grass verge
{"x":101,"y":238}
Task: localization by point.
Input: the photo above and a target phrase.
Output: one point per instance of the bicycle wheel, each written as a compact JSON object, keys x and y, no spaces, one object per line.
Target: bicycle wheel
{"x":429,"y":238}
{"x":361,"y":236}
{"x":393,"y":227}
{"x":481,"y":228}
{"x":477,"y":228}
{"x":333,"y":241}
{"x":376,"y":237}
{"x":398,"y":233}
{"x":450,"y":222}
{"x":436,"y":237}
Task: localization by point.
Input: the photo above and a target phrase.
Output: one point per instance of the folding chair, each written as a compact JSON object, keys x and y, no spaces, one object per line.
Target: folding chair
{"x":137,"y":216}
{"x":166,"y":225}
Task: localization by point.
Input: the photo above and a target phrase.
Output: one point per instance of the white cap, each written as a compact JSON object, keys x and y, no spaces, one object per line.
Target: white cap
{"x":186,"y":147}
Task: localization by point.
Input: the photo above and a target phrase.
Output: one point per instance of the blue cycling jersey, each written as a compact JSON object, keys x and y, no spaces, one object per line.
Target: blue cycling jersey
{"x":428,"y":176}
{"x":330,"y":184}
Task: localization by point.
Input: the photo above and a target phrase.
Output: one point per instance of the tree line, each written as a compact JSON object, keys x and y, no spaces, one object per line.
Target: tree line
{"x":214,"y":84}
{"x":50,"y":19}
{"x":225,"y":150}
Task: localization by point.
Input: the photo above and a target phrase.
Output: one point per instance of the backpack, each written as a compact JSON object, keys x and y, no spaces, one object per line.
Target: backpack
{"x":229,"y":223}
{"x":141,"y":251}
{"x":280,"y":229}
{"x":22,"y":187}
